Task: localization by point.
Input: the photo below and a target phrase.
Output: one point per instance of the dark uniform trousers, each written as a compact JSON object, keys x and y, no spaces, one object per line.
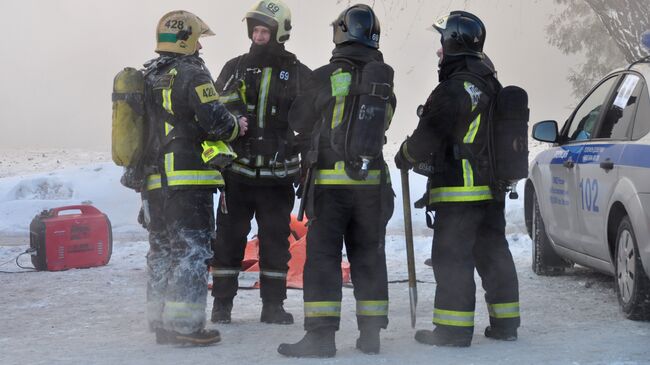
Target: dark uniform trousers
{"x":468,"y":236}
{"x":189,"y":220}
{"x":158,"y":257}
{"x":271,"y":205}
{"x":358,"y":217}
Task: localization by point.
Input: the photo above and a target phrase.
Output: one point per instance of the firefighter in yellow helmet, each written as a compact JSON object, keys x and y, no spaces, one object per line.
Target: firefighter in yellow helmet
{"x":182,"y":111}
{"x":261,"y":84}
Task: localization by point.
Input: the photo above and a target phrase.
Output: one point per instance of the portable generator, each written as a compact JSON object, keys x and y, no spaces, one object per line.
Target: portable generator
{"x":80,"y":239}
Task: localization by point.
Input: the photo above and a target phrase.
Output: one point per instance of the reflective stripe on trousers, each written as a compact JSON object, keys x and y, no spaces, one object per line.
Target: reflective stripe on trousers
{"x":372,"y":307}
{"x":504,"y":310}
{"x":322,"y":309}
{"x":453,"y":318}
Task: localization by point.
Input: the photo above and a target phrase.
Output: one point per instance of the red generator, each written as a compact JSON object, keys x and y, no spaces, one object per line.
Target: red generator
{"x":80,"y":239}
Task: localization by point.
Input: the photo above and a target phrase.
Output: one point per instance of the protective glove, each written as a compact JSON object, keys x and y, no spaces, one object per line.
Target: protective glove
{"x":401,"y":161}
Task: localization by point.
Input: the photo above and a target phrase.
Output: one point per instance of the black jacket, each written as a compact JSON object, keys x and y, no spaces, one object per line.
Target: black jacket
{"x":452,"y":132}
{"x":262,"y":85}
{"x":316,"y":108}
{"x":184,"y":110}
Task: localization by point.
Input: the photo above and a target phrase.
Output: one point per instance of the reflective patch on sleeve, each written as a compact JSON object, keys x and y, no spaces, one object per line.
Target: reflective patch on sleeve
{"x":207,"y":93}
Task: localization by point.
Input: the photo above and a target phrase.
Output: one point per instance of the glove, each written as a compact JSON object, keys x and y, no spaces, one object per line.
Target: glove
{"x":402,"y":162}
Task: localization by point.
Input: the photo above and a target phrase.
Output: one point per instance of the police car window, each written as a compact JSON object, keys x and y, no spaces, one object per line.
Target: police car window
{"x":642,"y":120}
{"x":617,"y":121}
{"x":585,"y":118}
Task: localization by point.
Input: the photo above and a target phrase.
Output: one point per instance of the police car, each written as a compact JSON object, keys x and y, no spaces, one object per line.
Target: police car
{"x":587,"y":198}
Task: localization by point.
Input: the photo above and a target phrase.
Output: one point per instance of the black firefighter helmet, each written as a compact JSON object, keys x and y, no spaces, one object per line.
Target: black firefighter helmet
{"x":463,"y":34}
{"x":357,"y":24}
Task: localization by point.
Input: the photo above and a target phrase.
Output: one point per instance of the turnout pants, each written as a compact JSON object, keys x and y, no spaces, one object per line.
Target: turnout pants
{"x":357,"y":217}
{"x":468,"y":237}
{"x":158,"y":257}
{"x":189,"y":221}
{"x":271,"y":206}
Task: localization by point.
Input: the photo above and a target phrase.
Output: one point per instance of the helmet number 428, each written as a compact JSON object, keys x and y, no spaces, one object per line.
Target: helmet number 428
{"x":174,"y":24}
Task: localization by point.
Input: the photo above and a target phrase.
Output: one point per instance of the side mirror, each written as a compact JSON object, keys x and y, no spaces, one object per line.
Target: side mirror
{"x":545,"y":131}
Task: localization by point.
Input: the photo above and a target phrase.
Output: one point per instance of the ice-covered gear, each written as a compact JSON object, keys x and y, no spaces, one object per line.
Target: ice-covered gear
{"x":316,"y":344}
{"x":262,"y":85}
{"x":203,"y":337}
{"x":271,"y":206}
{"x":320,"y":116}
{"x":468,"y":237}
{"x":179,"y":31}
{"x":463,"y":34}
{"x":444,"y":337}
{"x":357,"y":24}
{"x":274,"y":313}
{"x":221,"y":310}
{"x":368,"y":341}
{"x":273,"y":14}
{"x":159,"y":257}
{"x":189,"y":219}
{"x":128,"y":117}
{"x":185,"y":111}
{"x":499,"y":333}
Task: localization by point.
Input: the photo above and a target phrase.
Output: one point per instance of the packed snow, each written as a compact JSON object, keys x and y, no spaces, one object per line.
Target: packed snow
{"x":97,"y":315}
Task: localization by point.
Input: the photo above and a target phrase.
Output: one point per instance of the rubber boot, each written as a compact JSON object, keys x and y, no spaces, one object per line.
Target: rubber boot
{"x":500,"y":333}
{"x":368,"y":341}
{"x":202,"y":337}
{"x":274,"y":313}
{"x":221,"y":309}
{"x":318,"y":343}
{"x":442,"y":336}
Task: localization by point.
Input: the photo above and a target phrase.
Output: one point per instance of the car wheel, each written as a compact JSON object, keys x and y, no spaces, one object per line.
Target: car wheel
{"x":632,"y":284}
{"x":545,"y":261}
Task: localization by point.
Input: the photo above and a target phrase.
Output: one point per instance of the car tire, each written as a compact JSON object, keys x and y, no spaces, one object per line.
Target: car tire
{"x":545,"y":261}
{"x":632,"y":286}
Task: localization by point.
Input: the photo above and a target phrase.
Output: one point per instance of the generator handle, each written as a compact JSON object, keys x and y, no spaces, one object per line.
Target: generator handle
{"x":85,"y":209}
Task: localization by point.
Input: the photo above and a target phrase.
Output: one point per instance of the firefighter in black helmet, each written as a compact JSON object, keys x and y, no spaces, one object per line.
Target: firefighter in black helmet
{"x":261,"y":84}
{"x":183,"y":112}
{"x":469,"y":222}
{"x":344,"y":206}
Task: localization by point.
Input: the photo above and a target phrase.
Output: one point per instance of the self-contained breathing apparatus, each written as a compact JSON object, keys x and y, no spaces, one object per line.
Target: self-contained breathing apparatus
{"x":133,"y":136}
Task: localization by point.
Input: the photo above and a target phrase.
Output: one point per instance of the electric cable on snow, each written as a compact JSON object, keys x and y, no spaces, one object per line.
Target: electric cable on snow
{"x":26,"y":269}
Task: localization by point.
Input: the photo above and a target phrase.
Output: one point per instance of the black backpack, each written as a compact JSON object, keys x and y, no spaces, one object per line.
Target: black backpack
{"x":361,"y":137}
{"x":507,"y":145}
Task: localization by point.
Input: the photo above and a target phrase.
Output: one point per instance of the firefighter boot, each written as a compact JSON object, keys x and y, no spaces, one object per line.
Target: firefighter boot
{"x":274,"y":313}
{"x":501,"y":333}
{"x":368,"y":341}
{"x":221,"y":310}
{"x":202,"y":337}
{"x":317,"y":343}
{"x":442,"y":336}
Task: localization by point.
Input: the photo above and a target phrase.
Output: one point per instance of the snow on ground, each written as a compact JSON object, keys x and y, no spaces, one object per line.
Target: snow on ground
{"x":96,"y":316}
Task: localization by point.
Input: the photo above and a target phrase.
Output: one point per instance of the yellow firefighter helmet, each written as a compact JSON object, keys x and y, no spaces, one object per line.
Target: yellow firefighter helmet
{"x":273,"y":13}
{"x":179,"y":31}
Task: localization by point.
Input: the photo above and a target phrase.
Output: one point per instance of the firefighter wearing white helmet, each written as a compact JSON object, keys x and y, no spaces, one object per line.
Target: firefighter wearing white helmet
{"x":182,"y":111}
{"x":261,"y":84}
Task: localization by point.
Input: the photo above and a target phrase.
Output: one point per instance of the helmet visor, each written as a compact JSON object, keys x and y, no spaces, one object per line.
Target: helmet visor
{"x":360,"y":24}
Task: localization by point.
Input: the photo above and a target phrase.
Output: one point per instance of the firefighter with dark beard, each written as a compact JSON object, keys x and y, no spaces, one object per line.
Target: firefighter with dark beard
{"x":347,"y":107}
{"x":261,"y":84}
{"x":183,"y":113}
{"x":452,"y":135}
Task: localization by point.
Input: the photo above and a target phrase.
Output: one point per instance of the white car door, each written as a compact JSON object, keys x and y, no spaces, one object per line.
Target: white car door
{"x":597,"y":168}
{"x":562,"y":182}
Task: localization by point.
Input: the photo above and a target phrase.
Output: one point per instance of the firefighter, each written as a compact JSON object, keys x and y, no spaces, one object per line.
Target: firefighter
{"x":341,"y":208}
{"x":469,"y":222}
{"x":183,"y":110}
{"x":261,"y":84}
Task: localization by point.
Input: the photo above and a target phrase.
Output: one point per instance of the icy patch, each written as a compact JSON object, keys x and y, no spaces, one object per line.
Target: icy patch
{"x":42,"y":189}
